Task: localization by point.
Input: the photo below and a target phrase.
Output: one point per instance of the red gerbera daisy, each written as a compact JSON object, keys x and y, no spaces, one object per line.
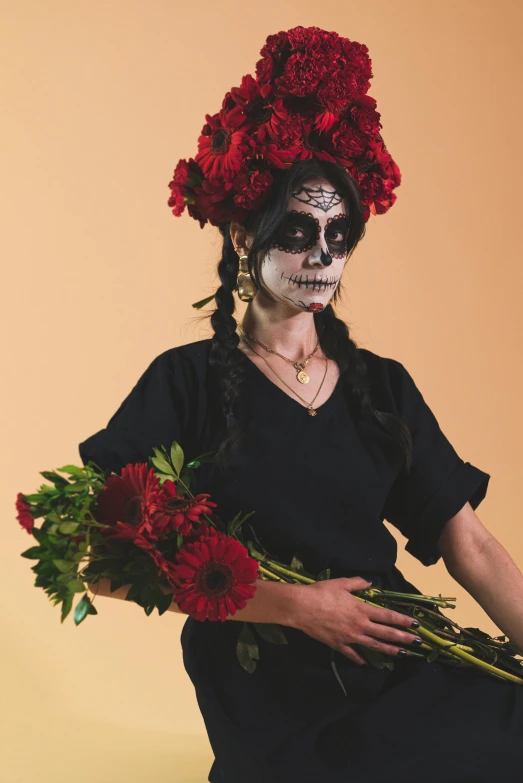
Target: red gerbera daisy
{"x":215,"y":576}
{"x":24,"y":515}
{"x":170,"y":511}
{"x":126,"y":498}
{"x":222,"y":147}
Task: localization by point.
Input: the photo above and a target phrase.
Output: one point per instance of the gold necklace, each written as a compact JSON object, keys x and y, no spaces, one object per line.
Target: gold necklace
{"x":301,"y":375}
{"x":310,"y":410}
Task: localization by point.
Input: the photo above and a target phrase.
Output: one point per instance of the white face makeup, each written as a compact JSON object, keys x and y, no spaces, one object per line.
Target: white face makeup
{"x":304,"y":265}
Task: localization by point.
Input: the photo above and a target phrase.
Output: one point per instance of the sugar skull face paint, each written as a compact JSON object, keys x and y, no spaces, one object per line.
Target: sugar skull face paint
{"x":304,"y":263}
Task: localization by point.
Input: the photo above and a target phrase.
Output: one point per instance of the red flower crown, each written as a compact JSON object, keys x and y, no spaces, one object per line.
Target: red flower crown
{"x":309,"y":99}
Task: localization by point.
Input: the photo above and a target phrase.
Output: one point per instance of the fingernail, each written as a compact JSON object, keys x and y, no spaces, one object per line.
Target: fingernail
{"x":417,"y":642}
{"x":402,"y":652}
{"x":414,"y":624}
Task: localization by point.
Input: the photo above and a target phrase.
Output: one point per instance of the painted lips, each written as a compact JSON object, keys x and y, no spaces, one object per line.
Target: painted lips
{"x":316,"y":284}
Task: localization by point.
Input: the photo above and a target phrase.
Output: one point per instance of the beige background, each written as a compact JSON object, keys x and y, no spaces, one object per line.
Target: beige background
{"x":100,"y":100}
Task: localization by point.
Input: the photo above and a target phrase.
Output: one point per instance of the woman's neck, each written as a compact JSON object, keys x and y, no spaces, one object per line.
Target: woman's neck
{"x":292,"y":334}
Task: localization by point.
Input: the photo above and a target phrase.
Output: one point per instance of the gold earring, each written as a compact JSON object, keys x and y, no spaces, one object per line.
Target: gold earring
{"x":244,"y":283}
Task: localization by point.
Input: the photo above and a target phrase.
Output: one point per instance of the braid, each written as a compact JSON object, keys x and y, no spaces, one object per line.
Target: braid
{"x":229,"y":362}
{"x":336,"y":343}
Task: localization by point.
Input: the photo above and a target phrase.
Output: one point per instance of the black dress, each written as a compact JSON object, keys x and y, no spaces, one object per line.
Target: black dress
{"x":320,"y":488}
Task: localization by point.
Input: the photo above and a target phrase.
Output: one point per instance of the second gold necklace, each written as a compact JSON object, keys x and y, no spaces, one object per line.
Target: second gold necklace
{"x":310,"y":410}
{"x":301,"y":375}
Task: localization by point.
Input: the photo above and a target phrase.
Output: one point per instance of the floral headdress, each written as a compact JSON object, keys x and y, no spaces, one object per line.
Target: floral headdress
{"x":309,"y":99}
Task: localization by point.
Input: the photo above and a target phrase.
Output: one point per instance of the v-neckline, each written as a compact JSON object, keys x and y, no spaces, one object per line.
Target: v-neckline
{"x":292,"y":400}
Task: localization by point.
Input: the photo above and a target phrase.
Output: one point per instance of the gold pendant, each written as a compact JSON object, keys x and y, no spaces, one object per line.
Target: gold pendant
{"x":311,"y":412}
{"x":303,"y":377}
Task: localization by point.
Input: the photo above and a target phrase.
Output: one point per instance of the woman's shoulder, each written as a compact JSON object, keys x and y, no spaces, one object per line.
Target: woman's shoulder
{"x":389,"y":379}
{"x":191,"y":357}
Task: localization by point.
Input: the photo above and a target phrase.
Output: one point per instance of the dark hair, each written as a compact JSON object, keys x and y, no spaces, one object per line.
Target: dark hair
{"x":333,"y":334}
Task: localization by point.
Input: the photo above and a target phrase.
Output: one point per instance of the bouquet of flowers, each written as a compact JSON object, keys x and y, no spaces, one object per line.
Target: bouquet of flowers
{"x":145,"y":527}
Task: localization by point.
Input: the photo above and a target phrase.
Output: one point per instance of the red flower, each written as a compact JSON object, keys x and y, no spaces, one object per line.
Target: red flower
{"x":348,"y":141}
{"x":366,"y":117}
{"x":214,"y":199}
{"x":170,"y":511}
{"x":214,"y":576}
{"x":186,"y":175}
{"x":222,"y":148}
{"x":24,"y":515}
{"x":302,"y":74}
{"x":125,"y":499}
{"x":251,"y":188}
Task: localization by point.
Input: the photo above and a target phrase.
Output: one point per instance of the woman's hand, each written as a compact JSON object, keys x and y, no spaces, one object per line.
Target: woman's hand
{"x":327,"y":611}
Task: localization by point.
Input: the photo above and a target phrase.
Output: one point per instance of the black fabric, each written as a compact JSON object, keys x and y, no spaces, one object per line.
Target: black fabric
{"x":320,"y":488}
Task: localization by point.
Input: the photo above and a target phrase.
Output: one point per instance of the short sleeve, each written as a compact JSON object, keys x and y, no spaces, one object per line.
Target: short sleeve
{"x":150,"y":416}
{"x":439,"y":483}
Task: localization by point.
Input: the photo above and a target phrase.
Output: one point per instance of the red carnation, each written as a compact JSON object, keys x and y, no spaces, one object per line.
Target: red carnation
{"x":222,"y":148}
{"x":214,"y":198}
{"x":357,"y":55}
{"x":170,"y":511}
{"x":24,"y":515}
{"x":366,"y":117}
{"x":336,"y":96}
{"x":251,"y":188}
{"x":348,"y":142}
{"x":125,"y":499}
{"x":302,"y":74}
{"x":186,"y":175}
{"x":214,"y":576}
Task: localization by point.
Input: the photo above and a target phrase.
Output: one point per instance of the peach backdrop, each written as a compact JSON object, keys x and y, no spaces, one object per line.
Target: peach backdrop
{"x":100,"y":101}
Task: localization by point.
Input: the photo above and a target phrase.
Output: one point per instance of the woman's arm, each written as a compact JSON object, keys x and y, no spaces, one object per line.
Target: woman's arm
{"x":480,"y":564}
{"x":273,"y":602}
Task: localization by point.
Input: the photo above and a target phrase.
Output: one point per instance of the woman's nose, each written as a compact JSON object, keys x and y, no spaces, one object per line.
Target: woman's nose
{"x":322,"y":258}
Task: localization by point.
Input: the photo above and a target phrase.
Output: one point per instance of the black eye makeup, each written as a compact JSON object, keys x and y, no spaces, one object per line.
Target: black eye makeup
{"x":336,"y":233}
{"x":298,"y":232}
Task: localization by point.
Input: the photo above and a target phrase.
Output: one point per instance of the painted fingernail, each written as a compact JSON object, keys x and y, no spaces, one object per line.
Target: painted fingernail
{"x":417,"y":642}
{"x":402,"y":652}
{"x":414,"y":624}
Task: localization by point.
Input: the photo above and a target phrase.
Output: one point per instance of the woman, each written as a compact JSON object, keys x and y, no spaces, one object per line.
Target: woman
{"x":323,"y":440}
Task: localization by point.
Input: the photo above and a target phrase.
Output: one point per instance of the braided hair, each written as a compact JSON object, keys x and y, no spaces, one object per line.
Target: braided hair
{"x":333,"y":333}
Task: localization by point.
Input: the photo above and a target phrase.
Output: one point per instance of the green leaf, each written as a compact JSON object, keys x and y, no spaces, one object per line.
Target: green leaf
{"x":66,"y":606}
{"x":336,"y":672}
{"x":82,"y":609}
{"x":194,"y":464}
{"x":247,"y":650}
{"x":77,"y":486}
{"x":324,"y":575}
{"x":203,"y":302}
{"x":177,"y":457}
{"x":68,"y":527}
{"x":76,"y":586}
{"x":377,"y":659}
{"x":65,"y":566}
{"x":433,"y":654}
{"x":73,"y":470}
{"x":33,"y":553}
{"x":163,"y":466}
{"x":50,"y":475}
{"x":271,"y":633}
{"x":297,"y":565}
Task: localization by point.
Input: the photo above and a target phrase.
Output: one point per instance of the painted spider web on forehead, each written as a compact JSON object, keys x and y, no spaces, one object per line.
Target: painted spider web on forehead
{"x":319,"y":197}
